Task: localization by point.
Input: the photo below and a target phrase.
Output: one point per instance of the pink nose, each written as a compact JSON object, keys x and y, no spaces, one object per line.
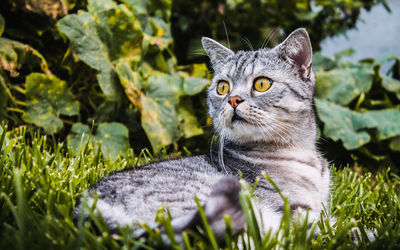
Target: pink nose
{"x":234,"y":101}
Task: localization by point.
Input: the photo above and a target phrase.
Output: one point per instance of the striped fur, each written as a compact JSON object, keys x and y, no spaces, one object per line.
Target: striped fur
{"x":277,"y":136}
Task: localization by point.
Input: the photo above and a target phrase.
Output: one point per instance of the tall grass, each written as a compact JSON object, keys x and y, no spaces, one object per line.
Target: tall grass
{"x":40,"y":185}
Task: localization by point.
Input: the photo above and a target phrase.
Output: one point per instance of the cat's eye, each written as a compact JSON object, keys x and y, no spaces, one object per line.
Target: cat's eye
{"x":222,"y":87}
{"x":262,"y":84}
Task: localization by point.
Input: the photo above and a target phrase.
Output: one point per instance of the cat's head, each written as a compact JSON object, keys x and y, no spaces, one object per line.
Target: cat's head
{"x":264,"y":95}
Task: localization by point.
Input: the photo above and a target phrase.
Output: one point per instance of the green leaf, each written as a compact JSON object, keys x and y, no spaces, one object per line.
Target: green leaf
{"x":114,"y":139}
{"x":131,"y":82}
{"x":391,"y":84}
{"x":194,"y":85}
{"x":344,"y":84}
{"x":139,"y":6}
{"x":188,"y":123}
{"x":388,"y":121}
{"x":164,"y":116}
{"x":306,"y":16}
{"x":104,"y":34}
{"x":78,"y":137}
{"x":159,"y":116}
{"x":159,"y":121}
{"x":118,"y":29}
{"x":132,"y":46}
{"x":47,"y":97}
{"x":164,"y":87}
{"x":341,"y":123}
{"x":87,"y":45}
{"x":100,"y":5}
{"x":195,"y":80}
{"x":321,"y":63}
{"x":14,"y":55}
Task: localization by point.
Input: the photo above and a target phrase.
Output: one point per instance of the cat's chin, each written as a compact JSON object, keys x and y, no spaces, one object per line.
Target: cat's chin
{"x":242,"y":131}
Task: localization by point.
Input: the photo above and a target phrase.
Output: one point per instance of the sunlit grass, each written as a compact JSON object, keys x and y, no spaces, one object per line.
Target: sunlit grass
{"x":40,"y":185}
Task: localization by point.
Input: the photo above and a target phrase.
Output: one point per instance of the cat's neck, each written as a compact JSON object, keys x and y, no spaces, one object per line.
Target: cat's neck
{"x":251,"y":159}
{"x":307,"y":143}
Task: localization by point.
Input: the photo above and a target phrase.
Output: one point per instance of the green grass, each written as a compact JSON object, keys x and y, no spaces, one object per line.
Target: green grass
{"x":40,"y":184}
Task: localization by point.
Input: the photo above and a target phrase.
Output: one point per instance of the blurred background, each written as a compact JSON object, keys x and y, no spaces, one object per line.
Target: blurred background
{"x":131,"y":74}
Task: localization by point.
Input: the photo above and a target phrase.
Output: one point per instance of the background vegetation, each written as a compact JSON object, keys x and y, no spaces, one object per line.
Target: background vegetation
{"x":82,"y":82}
{"x":114,"y":68}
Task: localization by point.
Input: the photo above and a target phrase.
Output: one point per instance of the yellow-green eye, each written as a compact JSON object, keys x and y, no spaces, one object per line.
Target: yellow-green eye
{"x":222,"y":87}
{"x":262,"y":84}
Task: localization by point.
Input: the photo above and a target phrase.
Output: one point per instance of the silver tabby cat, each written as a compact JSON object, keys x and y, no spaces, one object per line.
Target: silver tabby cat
{"x":261,"y":105}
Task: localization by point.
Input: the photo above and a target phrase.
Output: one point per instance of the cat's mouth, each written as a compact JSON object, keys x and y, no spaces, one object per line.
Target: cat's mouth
{"x":237,"y":118}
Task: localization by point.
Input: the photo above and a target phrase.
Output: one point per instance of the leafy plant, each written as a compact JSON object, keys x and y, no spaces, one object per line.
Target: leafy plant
{"x":113,"y":138}
{"x":47,"y":97}
{"x":359,"y":106}
{"x":130,"y":45}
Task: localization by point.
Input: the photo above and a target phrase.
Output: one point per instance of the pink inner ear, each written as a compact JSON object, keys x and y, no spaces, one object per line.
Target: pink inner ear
{"x":303,"y":57}
{"x":297,"y":48}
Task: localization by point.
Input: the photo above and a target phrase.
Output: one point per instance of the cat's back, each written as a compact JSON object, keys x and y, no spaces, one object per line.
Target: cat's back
{"x":136,"y":194}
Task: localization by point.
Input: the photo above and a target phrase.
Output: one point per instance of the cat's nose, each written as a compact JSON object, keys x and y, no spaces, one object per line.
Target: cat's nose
{"x":234,"y":101}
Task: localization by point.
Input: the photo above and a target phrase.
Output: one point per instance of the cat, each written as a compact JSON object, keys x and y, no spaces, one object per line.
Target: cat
{"x":261,"y":106}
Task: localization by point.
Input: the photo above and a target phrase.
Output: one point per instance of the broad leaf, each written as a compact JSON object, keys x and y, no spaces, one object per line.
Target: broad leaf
{"x":87,"y":45}
{"x":118,"y":29}
{"x":188,"y":123}
{"x":344,"y":84}
{"x":159,"y":117}
{"x":78,"y":137}
{"x":114,"y":139}
{"x":106,"y":33}
{"x":47,"y":97}
{"x":159,"y":121}
{"x":341,"y":123}
{"x":321,"y":63}
{"x":131,"y":82}
{"x":196,"y":81}
{"x":391,"y":84}
{"x":388,"y":121}
{"x":132,"y":46}
{"x":15,"y":55}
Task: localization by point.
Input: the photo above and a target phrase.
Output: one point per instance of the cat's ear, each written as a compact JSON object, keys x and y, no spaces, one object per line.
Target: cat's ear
{"x":297,"y":50}
{"x":217,"y":52}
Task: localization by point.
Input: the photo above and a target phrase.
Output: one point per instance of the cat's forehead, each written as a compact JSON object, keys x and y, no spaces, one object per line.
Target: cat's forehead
{"x":246,"y":63}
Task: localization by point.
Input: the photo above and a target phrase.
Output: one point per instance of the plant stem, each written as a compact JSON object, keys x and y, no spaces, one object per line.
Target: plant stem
{"x":15,"y":110}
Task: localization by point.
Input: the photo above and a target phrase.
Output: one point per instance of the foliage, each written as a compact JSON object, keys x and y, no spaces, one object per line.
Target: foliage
{"x":260,"y":21}
{"x":134,"y":50}
{"x":113,"y":62}
{"x":113,"y":138}
{"x":40,"y":186}
{"x":129,"y":45}
{"x":47,"y":97}
{"x":359,"y":106}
